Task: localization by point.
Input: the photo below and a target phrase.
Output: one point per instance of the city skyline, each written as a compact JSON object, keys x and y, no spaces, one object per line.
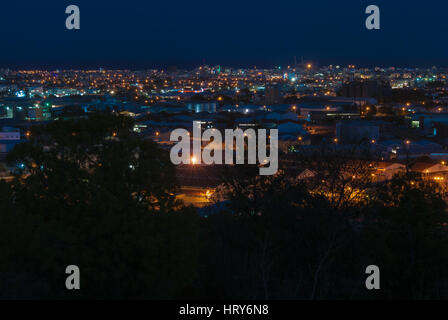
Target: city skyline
{"x":223,"y":151}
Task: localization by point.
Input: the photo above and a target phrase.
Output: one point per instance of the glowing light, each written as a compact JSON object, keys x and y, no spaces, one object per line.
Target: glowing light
{"x":194,"y":160}
{"x":208,"y":194}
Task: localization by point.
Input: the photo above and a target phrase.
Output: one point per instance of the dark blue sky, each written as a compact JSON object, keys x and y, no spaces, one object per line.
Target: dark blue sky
{"x":146,"y":33}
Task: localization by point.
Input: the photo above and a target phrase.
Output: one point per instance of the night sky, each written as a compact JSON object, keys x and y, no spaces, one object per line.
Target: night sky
{"x":146,"y":34}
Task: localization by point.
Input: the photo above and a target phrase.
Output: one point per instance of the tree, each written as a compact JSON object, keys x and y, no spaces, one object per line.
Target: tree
{"x":89,"y":192}
{"x":313,"y":238}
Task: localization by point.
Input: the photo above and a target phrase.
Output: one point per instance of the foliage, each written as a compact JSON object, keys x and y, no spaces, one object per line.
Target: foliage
{"x":89,"y":192}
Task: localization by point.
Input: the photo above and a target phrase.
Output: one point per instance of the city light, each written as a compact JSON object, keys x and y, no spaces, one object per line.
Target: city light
{"x":147,"y":156}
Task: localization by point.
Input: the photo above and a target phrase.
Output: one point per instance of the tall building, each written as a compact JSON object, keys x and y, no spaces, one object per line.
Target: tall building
{"x":272,"y":95}
{"x":377,"y":89}
{"x":357,"y":131}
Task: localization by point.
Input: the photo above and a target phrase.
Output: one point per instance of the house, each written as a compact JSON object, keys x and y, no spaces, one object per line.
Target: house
{"x":306,"y":174}
{"x":9,"y":137}
{"x":428,"y":168}
{"x":408,"y":149}
{"x":386,"y":170}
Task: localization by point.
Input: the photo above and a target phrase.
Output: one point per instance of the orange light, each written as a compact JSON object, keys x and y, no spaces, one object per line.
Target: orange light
{"x":208,"y":194}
